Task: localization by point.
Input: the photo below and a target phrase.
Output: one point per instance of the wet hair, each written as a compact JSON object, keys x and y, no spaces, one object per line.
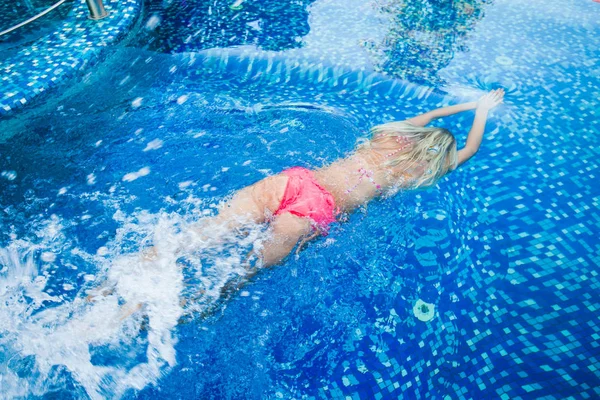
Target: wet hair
{"x":409,"y":147}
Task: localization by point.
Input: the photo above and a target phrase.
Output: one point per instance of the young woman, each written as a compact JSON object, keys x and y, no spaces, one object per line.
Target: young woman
{"x":299,"y":204}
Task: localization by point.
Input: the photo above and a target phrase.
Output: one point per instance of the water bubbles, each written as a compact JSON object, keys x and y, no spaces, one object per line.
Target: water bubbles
{"x":102,"y":251}
{"x":124,"y":80}
{"x":132,"y":176}
{"x":91,"y":179}
{"x":10,"y":175}
{"x":183,"y":185}
{"x":98,"y":317}
{"x":152,"y":22}
{"x":48,"y":256}
{"x":137,"y":102}
{"x":182,"y":99}
{"x":237,"y":5}
{"x":154,"y":145}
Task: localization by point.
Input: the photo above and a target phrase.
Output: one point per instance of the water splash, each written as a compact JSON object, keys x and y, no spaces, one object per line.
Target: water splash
{"x":119,"y":331}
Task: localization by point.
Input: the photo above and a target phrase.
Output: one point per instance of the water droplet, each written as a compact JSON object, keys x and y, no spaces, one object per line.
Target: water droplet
{"x":137,"y":102}
{"x":48,"y":256}
{"x":10,"y":175}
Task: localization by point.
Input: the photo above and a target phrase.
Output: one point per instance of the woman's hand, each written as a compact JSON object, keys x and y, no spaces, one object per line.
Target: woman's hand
{"x":490,"y":100}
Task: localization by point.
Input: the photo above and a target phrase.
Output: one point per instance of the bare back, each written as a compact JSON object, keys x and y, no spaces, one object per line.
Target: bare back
{"x":356,"y":179}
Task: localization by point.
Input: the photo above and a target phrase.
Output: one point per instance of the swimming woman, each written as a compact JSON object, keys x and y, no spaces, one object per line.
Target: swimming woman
{"x":299,"y":204}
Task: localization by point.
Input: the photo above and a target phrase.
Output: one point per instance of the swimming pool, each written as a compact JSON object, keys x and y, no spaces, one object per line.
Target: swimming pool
{"x":503,"y":253}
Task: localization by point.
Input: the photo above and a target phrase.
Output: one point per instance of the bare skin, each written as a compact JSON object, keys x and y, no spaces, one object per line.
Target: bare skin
{"x":257,"y":201}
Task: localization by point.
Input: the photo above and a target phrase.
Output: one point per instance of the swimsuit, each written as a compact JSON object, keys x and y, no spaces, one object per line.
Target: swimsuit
{"x":304,"y":197}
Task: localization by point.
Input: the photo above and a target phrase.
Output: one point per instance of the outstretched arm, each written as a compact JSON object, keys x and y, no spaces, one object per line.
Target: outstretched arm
{"x":484,"y":105}
{"x":424,"y":119}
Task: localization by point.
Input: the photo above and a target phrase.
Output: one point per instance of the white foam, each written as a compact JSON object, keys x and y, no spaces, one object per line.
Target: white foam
{"x":125,"y":288}
{"x":154,"y":145}
{"x":48,"y":256}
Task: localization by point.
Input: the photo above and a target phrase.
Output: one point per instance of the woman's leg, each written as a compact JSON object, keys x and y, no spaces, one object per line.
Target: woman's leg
{"x":286,"y":230}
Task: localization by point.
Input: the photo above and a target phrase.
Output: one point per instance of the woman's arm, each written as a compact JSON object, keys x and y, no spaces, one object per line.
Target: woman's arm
{"x":484,"y":105}
{"x":424,"y":119}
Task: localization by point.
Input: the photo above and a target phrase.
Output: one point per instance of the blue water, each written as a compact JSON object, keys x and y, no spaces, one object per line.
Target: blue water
{"x":505,"y":249}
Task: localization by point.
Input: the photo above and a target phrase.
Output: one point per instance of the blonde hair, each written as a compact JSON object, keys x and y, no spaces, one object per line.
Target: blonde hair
{"x":433,"y":149}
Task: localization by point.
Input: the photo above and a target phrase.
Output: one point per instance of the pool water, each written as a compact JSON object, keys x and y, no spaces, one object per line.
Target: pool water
{"x":485,"y":286}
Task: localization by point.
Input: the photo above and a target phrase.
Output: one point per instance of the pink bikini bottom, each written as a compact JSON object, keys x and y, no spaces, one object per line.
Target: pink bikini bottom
{"x":304,"y":197}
